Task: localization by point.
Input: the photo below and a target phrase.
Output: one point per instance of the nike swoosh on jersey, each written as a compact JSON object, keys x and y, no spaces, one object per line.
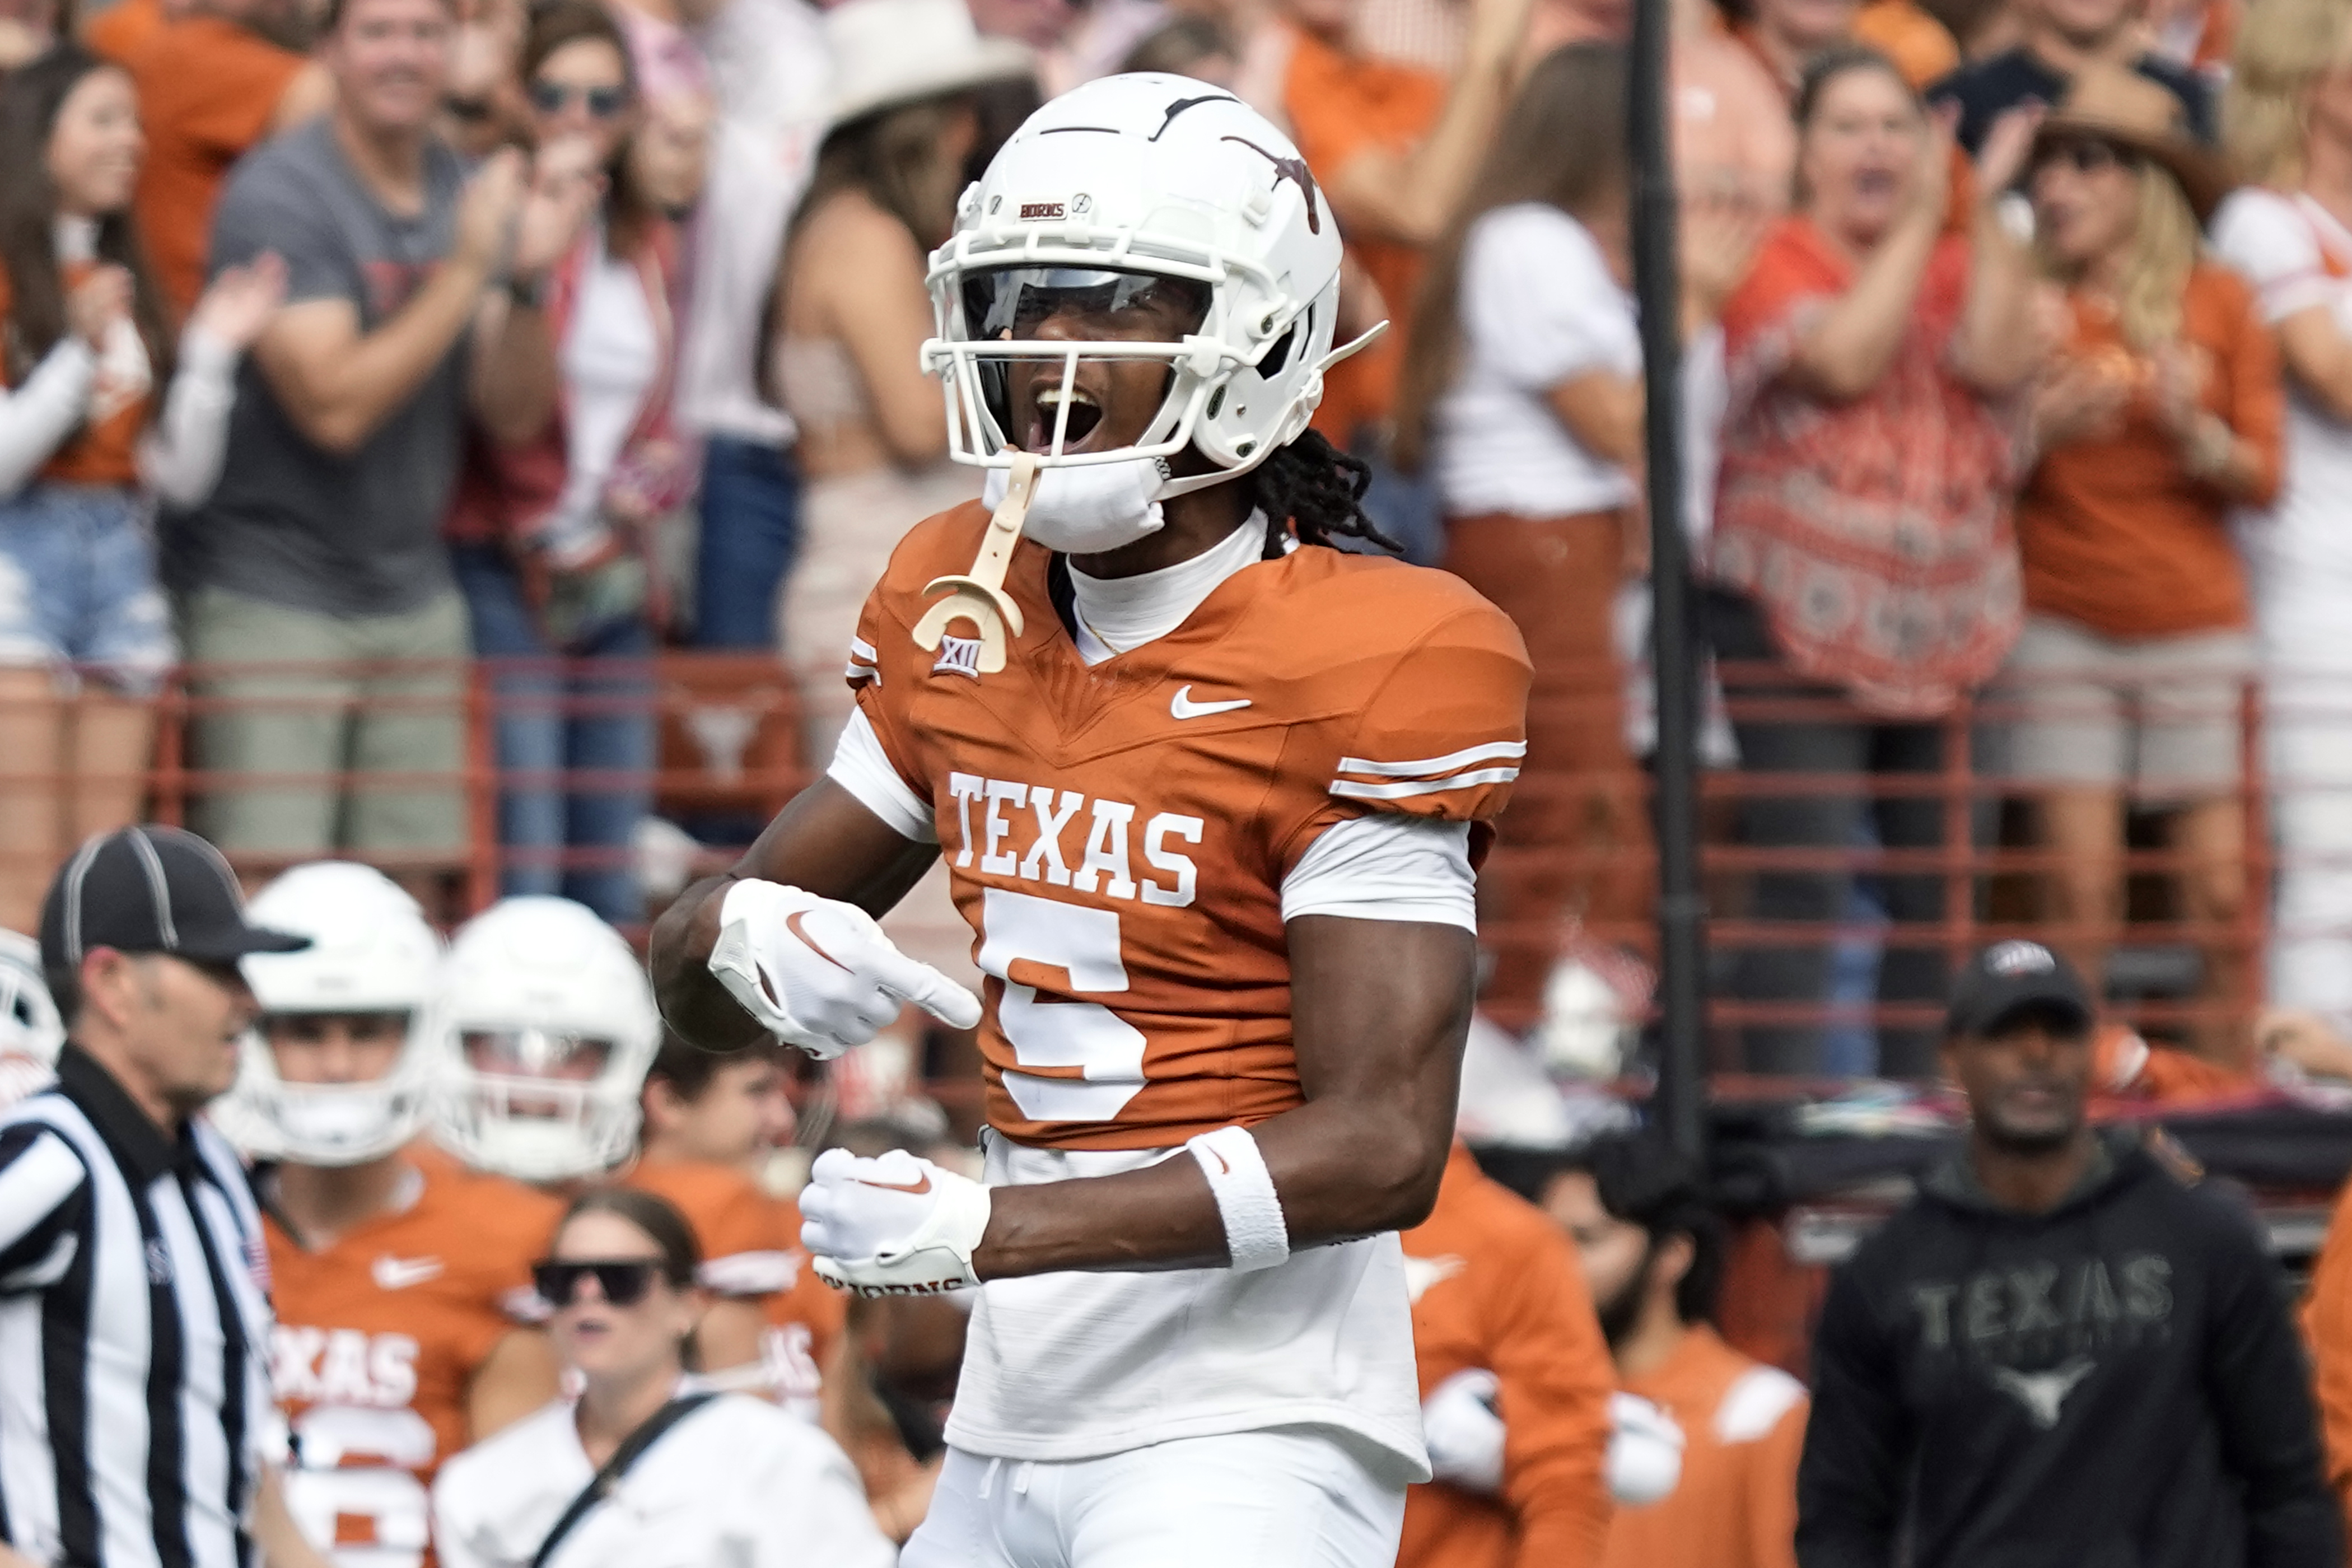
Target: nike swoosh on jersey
{"x":399,"y":1273}
{"x":1182,"y":706}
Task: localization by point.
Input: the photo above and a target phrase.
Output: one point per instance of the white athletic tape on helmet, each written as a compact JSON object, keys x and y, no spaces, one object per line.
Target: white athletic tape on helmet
{"x":1255,"y":1232}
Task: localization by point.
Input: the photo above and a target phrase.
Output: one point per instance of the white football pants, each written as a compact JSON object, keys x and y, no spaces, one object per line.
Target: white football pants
{"x":1288,"y":1498}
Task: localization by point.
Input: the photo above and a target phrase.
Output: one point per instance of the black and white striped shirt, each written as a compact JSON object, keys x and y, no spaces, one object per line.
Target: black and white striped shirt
{"x":133,"y":1321}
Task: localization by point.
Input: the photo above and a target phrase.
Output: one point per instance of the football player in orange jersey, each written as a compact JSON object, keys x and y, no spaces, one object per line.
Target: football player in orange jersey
{"x":1503,"y":1327}
{"x":1652,"y":1252}
{"x":402,"y":1286}
{"x":1212,"y":818}
{"x":710,"y":1123}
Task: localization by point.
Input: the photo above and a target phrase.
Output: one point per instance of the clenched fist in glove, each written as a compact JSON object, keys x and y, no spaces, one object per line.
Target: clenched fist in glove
{"x":820,"y":974}
{"x":897,"y":1225}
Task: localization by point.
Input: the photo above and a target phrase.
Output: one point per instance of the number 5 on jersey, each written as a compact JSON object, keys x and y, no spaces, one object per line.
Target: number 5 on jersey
{"x":1105,"y":1049}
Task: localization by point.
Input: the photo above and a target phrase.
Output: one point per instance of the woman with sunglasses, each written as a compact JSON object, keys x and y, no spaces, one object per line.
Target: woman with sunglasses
{"x":733,"y":1480}
{"x":2164,"y":413}
{"x":553,"y":540}
{"x":1864,"y":573}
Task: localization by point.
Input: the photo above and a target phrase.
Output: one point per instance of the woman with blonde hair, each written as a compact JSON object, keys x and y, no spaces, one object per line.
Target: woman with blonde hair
{"x":2288,"y":123}
{"x":2163,"y":414}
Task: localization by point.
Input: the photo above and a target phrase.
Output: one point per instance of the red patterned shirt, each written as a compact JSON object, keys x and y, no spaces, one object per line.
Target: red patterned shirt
{"x":1874,"y":534}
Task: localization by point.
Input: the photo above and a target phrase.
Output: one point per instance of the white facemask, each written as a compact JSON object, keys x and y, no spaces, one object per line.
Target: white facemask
{"x":1088,"y":509}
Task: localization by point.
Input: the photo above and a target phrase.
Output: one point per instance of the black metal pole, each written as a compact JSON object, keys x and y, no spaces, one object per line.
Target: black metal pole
{"x":1681,"y":1101}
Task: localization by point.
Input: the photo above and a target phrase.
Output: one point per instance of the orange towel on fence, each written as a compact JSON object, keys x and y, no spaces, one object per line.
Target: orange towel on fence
{"x":1496,"y":1285}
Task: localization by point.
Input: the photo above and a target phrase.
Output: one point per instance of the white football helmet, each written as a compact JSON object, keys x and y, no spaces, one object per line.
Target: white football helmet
{"x":1112,"y":189}
{"x":547,"y":1025}
{"x":29,"y":1024}
{"x":372,"y":951}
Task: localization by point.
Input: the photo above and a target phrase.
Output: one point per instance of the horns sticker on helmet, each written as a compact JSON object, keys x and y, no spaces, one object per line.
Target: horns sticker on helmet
{"x":1286,"y":169}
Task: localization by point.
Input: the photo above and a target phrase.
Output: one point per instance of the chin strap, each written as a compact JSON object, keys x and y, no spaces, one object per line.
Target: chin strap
{"x":1355,"y":346}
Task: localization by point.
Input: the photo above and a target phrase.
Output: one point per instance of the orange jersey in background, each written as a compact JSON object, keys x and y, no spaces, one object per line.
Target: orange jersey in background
{"x":1340,"y":107}
{"x":208,"y":93}
{"x":2327,"y":1326}
{"x":1118,"y":834}
{"x":377,"y":1340}
{"x":751,"y":1251}
{"x":1743,"y":1430}
{"x":123,"y":29}
{"x":1497,"y":1286}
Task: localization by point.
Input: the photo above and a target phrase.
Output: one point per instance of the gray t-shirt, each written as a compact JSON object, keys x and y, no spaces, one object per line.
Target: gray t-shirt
{"x":288,"y":522}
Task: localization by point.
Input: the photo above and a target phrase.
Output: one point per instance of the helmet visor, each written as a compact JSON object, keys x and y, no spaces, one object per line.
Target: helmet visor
{"x":536,"y":1054}
{"x":1086,"y":305}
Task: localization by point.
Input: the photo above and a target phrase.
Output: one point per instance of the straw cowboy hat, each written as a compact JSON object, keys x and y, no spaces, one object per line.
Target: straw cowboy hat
{"x":890,"y":52}
{"x":2109,"y":104}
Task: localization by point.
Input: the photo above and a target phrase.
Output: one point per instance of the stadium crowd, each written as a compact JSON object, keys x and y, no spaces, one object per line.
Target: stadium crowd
{"x":348,"y":345}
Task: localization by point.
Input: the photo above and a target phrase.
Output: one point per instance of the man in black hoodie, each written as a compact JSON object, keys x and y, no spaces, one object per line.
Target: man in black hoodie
{"x":2066,"y":1350}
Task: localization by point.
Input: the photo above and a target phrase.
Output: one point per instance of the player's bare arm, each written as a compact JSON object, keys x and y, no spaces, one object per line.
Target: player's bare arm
{"x":1382,"y":1009}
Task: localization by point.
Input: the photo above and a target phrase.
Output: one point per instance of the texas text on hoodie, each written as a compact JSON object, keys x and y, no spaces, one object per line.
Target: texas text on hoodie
{"x":2115,"y":1384}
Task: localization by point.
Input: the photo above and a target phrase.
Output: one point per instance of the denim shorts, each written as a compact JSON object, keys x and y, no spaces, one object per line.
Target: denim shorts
{"x":78,"y":586}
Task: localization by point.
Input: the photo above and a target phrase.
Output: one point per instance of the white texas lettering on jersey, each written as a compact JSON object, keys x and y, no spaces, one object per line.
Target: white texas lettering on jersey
{"x":1059,"y":827}
{"x":342,"y":1366}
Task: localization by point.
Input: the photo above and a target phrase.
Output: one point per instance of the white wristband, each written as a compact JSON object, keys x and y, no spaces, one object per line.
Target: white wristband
{"x":1256,"y":1233}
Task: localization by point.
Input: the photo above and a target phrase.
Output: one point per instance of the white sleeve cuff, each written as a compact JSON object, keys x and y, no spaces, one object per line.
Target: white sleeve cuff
{"x":1385,"y":865}
{"x":861,"y":767}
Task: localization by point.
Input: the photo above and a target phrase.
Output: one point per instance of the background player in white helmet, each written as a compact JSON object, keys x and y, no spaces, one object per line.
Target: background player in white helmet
{"x":547,"y":1027}
{"x":30,"y":1029}
{"x":402,"y":1286}
{"x":1210,"y":815}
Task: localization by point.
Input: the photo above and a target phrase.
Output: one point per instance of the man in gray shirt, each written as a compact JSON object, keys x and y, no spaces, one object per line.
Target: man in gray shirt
{"x":410,"y":303}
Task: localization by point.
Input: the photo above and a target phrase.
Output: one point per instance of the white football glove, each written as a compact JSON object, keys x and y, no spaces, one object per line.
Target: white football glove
{"x":820,"y":974}
{"x":897,"y":1225}
{"x":1461,"y":1432}
{"x":1645,"y":1451}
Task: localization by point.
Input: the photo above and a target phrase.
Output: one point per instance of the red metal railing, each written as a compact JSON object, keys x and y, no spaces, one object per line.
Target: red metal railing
{"x":731,"y":754}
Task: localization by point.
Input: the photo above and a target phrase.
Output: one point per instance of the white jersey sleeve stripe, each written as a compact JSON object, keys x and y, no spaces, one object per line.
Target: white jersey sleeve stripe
{"x":1427,"y":766}
{"x":860,"y":766}
{"x":1384,"y":867}
{"x":1354,"y":790}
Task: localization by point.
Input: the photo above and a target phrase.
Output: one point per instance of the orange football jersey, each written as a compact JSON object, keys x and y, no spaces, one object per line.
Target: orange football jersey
{"x":751,"y":1248}
{"x":1496,"y":1285}
{"x":377,"y":1340}
{"x":1118,"y":833}
{"x":1743,"y":1431}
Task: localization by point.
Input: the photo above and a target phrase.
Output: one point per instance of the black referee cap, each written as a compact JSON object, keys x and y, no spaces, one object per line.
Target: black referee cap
{"x":2013,"y":977}
{"x":151,"y":890}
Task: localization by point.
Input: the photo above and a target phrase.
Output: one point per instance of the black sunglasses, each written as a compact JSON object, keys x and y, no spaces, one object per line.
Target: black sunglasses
{"x":554,"y":97}
{"x":622,"y":1281}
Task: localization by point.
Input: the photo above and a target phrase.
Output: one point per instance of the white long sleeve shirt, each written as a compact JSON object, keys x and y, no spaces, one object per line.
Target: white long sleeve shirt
{"x":180,"y":454}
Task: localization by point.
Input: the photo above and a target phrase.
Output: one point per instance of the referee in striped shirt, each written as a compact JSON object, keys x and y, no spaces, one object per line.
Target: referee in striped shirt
{"x":134,"y":1315}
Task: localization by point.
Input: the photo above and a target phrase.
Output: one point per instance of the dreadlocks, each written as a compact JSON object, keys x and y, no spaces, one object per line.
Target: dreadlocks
{"x":1314,"y":489}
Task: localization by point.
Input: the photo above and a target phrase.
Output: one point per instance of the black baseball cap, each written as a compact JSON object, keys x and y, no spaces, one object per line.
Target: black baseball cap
{"x":2011,"y":977}
{"x":151,"y":890}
